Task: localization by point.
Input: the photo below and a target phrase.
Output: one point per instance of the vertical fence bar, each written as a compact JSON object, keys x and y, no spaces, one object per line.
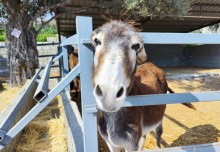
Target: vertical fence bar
{"x":60,"y":59}
{"x":65,"y":64}
{"x":90,"y":135}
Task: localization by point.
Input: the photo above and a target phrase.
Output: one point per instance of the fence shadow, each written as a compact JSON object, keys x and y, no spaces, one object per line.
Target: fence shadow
{"x":176,"y":122}
{"x":77,"y":100}
{"x":200,"y":134}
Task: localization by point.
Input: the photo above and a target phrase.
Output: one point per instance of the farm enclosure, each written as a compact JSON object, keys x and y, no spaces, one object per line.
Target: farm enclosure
{"x":90,"y":109}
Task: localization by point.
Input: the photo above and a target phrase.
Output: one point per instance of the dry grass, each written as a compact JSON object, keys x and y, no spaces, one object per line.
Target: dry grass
{"x":46,"y":133}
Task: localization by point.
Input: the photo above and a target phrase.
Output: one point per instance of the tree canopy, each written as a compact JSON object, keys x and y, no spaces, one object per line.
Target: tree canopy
{"x":151,"y":8}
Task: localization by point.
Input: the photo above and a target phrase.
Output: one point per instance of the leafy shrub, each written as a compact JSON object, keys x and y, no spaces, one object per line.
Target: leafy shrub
{"x":2,"y":32}
{"x":43,"y":37}
{"x":2,"y":38}
{"x":49,"y":29}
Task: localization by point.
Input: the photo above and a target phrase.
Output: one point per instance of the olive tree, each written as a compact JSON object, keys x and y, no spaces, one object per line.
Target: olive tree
{"x":22,"y":45}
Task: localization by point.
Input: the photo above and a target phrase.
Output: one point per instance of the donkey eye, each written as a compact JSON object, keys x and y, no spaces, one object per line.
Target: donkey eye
{"x":97,"y":42}
{"x":135,"y":46}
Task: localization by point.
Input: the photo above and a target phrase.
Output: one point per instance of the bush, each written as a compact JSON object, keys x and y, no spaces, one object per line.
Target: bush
{"x":2,"y":32}
{"x":40,"y":37}
{"x":43,"y":37}
{"x":49,"y":29}
{"x":2,"y":38}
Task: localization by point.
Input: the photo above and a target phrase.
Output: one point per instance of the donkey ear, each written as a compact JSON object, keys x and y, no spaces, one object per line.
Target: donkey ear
{"x":138,"y":46}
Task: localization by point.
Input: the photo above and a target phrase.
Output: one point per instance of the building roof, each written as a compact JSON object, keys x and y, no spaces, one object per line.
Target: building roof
{"x":203,"y":13}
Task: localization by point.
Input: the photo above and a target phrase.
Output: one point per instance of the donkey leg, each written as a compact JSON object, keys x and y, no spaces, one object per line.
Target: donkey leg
{"x":159,"y":131}
{"x":113,"y":148}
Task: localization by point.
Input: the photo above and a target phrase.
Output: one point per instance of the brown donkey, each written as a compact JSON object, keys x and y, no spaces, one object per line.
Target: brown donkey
{"x":118,"y":48}
{"x":73,"y":61}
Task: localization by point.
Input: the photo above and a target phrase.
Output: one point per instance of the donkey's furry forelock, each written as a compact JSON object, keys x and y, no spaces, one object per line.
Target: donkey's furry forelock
{"x":115,"y":28}
{"x":116,"y":31}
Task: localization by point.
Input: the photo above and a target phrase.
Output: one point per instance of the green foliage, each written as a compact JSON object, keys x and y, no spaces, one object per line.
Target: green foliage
{"x":34,"y":8}
{"x":153,"y":8}
{"x":49,"y":29}
{"x":2,"y":35}
{"x":2,"y":38}
{"x":43,"y":37}
{"x":2,"y":32}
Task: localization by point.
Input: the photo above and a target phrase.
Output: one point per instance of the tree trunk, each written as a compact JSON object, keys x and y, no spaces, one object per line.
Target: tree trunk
{"x":22,"y":51}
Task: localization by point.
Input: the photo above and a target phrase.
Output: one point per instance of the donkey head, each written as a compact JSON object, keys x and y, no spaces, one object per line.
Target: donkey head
{"x":117,"y":49}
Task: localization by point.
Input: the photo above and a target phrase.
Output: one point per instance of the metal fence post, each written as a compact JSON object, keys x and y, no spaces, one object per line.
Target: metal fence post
{"x":59,"y":48}
{"x":65,"y":64}
{"x":84,"y":30}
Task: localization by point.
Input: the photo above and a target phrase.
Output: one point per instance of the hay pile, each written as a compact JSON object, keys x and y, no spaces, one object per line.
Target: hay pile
{"x":46,"y":133}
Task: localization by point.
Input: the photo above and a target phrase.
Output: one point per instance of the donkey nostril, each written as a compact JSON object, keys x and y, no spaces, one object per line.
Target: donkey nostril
{"x":98,"y":91}
{"x":120,"y":92}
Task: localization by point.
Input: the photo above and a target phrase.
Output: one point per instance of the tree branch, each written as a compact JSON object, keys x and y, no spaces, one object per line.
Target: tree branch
{"x":8,"y":7}
{"x":44,"y":9}
{"x":58,"y":15}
